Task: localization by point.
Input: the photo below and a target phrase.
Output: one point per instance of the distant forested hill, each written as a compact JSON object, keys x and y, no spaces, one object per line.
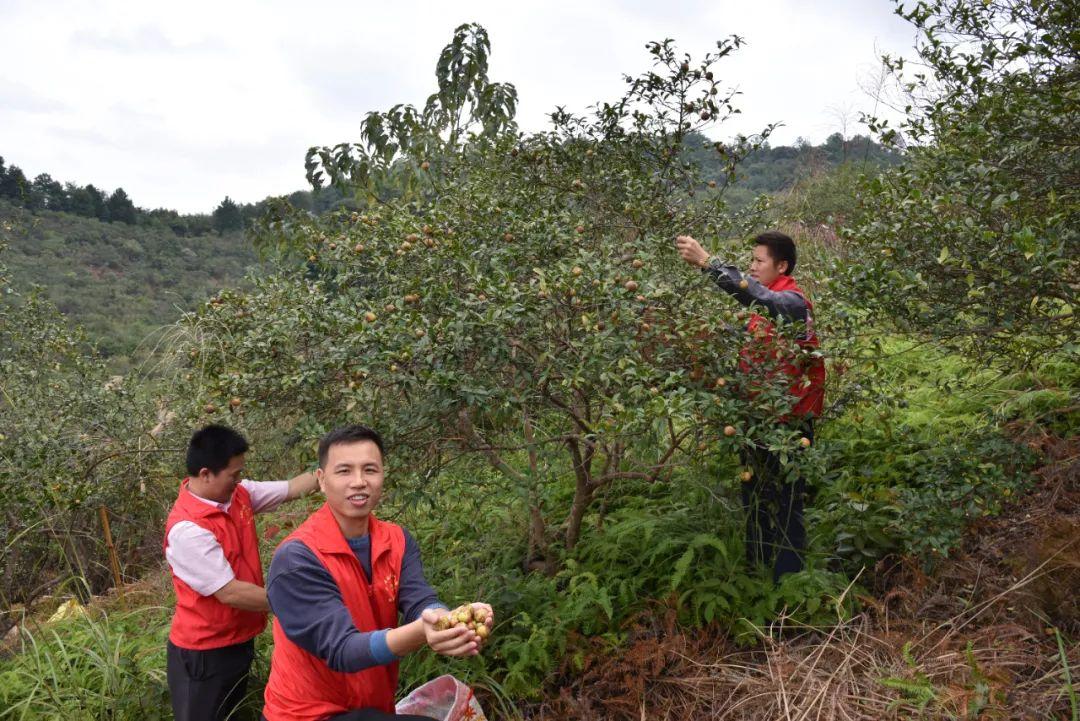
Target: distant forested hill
{"x":119,"y":281}
{"x":775,"y":169}
{"x":119,"y":270}
{"x":87,"y":201}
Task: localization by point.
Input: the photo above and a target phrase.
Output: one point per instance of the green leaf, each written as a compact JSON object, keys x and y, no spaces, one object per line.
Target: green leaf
{"x":681,"y":567}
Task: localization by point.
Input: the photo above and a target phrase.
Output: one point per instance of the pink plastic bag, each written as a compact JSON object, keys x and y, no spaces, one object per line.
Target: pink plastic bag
{"x":444,"y":698}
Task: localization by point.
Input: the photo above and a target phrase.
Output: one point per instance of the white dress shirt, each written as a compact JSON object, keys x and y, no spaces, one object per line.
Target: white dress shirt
{"x":197,"y":558}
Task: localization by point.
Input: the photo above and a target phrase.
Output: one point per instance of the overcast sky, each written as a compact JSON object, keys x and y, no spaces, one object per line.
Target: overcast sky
{"x":184,"y":103}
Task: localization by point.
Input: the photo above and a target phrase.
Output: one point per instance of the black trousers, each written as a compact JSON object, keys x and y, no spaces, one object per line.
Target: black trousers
{"x":775,"y":530}
{"x":208,"y":685}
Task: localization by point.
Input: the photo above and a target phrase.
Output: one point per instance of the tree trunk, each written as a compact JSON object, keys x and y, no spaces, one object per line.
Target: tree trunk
{"x":583,"y":495}
{"x":583,"y":490}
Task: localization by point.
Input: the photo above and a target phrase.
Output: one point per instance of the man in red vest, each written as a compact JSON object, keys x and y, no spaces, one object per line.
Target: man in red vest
{"x":213,"y":554}
{"x":337,"y":586}
{"x":775,"y":533}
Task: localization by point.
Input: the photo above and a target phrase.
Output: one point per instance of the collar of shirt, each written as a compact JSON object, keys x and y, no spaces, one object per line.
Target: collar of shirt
{"x":220,"y":506}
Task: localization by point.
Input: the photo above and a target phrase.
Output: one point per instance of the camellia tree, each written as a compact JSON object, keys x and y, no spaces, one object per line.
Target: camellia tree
{"x":74,"y":443}
{"x":522,"y":304}
{"x":975,"y":238}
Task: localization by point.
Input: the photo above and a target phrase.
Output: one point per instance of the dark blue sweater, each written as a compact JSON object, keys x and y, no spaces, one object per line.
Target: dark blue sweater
{"x":309,"y":607}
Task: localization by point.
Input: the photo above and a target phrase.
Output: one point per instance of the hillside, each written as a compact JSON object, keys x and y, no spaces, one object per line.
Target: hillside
{"x":119,"y":281}
{"x":775,"y":169}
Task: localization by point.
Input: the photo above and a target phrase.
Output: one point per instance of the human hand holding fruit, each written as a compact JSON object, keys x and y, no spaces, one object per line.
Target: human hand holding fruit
{"x":460,"y":632}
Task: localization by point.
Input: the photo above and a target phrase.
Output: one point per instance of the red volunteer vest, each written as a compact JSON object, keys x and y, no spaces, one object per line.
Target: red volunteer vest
{"x":203,"y":622}
{"x":807,"y":372}
{"x":301,"y":686}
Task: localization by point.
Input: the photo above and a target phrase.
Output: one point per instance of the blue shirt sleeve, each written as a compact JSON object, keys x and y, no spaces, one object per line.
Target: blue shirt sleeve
{"x":414,"y":592}
{"x":312,"y":613}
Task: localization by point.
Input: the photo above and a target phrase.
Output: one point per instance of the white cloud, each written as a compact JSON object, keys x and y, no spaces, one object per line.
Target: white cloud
{"x":184,"y":103}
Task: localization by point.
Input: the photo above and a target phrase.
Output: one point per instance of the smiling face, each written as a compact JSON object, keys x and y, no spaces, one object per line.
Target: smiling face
{"x":763,"y":268}
{"x":352,"y":480}
{"x":218,"y":486}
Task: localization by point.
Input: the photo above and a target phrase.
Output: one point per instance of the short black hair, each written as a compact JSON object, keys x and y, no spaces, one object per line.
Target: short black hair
{"x":213,"y":447}
{"x":781,"y":247}
{"x":348,"y":434}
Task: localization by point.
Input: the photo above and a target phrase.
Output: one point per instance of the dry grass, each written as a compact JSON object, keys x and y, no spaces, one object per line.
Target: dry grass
{"x":992,"y":635}
{"x":854,"y":671}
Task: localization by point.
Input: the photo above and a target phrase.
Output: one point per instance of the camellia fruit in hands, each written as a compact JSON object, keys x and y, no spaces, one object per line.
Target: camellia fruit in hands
{"x":466,"y":615}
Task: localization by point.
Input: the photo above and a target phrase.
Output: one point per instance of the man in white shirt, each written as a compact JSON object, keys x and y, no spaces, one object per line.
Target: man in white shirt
{"x":213,"y":554}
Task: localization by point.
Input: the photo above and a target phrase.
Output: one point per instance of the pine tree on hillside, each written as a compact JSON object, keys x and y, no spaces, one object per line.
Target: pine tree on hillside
{"x":227,"y":216}
{"x":98,"y":203}
{"x":13,"y":185}
{"x":121,"y":209}
{"x":49,"y":193}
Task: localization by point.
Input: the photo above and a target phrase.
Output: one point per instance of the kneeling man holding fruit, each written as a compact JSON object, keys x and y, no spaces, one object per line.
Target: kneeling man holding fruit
{"x":337,"y":586}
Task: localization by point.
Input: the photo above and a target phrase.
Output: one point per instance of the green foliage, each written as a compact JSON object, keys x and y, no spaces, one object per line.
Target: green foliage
{"x":515,"y":320}
{"x":90,"y":668}
{"x":525,"y":309}
{"x":72,"y":440}
{"x":13,"y":182}
{"x":102,"y":277}
{"x":974,"y":238}
{"x":983,"y":691}
{"x":498,"y":316}
{"x":48,"y":193}
{"x":44,"y":193}
{"x":120,"y":283}
{"x":538,"y":313}
{"x":120,"y":208}
{"x":919,"y":689}
{"x":910,"y":469}
{"x":779,"y":170}
{"x":651,"y":549}
{"x":395,"y":145}
{"x":227,"y":217}
{"x":687,"y":547}
{"x":829,"y":198}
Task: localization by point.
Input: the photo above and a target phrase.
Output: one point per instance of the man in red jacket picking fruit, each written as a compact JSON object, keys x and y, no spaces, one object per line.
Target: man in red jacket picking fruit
{"x":775,"y":533}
